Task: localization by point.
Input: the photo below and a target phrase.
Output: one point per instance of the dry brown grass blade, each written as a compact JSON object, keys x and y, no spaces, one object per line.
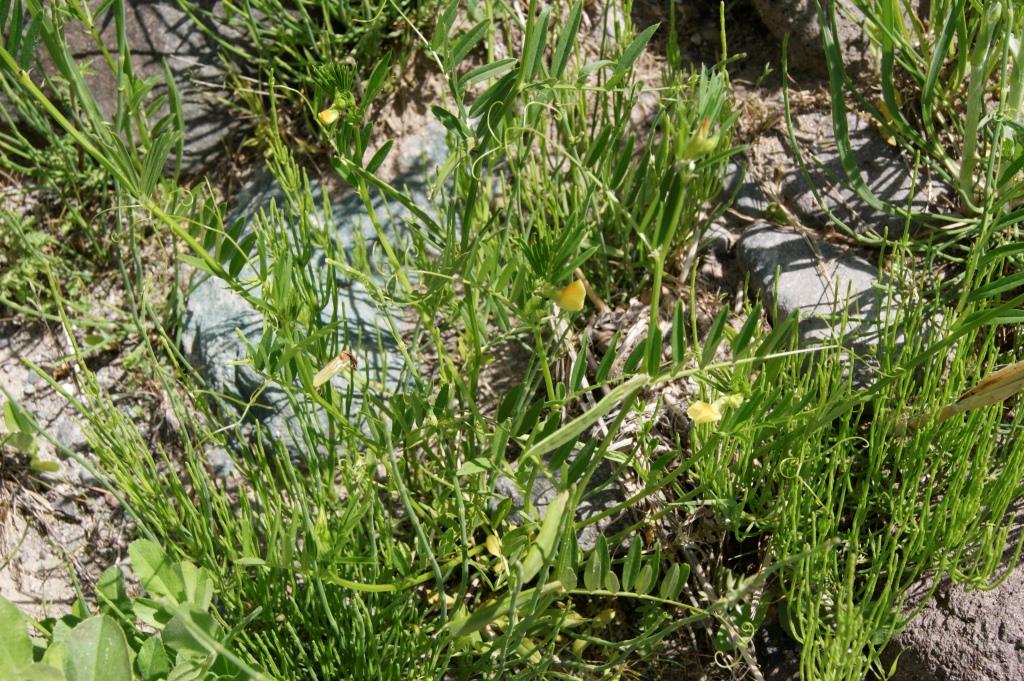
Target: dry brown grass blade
{"x":992,"y":389}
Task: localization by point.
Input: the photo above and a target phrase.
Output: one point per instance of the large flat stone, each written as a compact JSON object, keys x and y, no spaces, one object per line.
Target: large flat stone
{"x":799,"y":274}
{"x":962,"y":635}
{"x":158,"y":30}
{"x":215,"y":314}
{"x":882,"y":169}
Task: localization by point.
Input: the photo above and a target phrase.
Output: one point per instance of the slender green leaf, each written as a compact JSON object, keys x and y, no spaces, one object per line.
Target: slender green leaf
{"x":630,"y":55}
{"x":488,"y":71}
{"x":714,"y":337}
{"x":572,"y":430}
{"x":566,"y":40}
{"x":469,"y":40}
{"x":542,"y":550}
{"x":631,"y":566}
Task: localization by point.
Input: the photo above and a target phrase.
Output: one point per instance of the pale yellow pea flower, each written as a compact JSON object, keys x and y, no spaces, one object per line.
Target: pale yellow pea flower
{"x":703,"y":412}
{"x":571,"y":297}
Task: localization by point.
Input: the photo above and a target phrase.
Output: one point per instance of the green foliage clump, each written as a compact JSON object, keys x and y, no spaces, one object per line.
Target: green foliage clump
{"x":168,"y":633}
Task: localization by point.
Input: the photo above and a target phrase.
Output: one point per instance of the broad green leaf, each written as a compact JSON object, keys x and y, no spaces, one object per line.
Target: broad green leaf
{"x":16,"y":651}
{"x":98,"y":651}
{"x":604,"y":557}
{"x":152,"y":662}
{"x":746,"y":332}
{"x":444,"y":25}
{"x":567,"y":576}
{"x":55,"y":655}
{"x":42,"y":465}
{"x":670,"y":217}
{"x":579,"y":368}
{"x":198,"y":585}
{"x":191,"y":666}
{"x":23,"y":442}
{"x":475,"y":466}
{"x":608,"y":360}
{"x":495,"y":94}
{"x":464,"y":624}
{"x":376,"y":80}
{"x":17,"y":419}
{"x":644,"y":580}
{"x":674,"y":581}
{"x":533,"y":47}
{"x":592,"y":67}
{"x":592,"y":572}
{"x":449,"y":121}
{"x":39,"y":671}
{"x":611,"y":582}
{"x":632,"y":363}
{"x":111,"y":587}
{"x":191,"y":630}
{"x":156,"y":572}
{"x":379,"y":157}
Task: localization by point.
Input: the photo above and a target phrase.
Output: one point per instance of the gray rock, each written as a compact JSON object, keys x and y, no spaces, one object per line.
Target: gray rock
{"x":68,"y":432}
{"x":719,"y":239}
{"x":799,"y":19}
{"x":220,"y":462}
{"x":880,"y":166}
{"x":159,"y":30}
{"x":215,"y":314}
{"x":749,"y":200}
{"x":964,"y":635}
{"x":820,"y":283}
{"x":544,"y":491}
{"x":778,"y":655}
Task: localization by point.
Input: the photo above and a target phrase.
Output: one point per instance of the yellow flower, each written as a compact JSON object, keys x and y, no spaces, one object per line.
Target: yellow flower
{"x":732,"y":401}
{"x":571,"y":297}
{"x":328,"y":116}
{"x":702,"y":412}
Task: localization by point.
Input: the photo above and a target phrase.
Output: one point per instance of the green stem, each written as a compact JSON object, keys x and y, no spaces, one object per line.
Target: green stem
{"x":653,"y":331}
{"x":545,"y":369}
{"x":976,"y":101}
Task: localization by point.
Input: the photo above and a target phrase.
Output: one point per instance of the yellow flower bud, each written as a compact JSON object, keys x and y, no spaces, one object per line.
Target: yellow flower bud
{"x":732,"y":401}
{"x":493,"y":545}
{"x":571,"y":297}
{"x":701,"y":142}
{"x":328,"y":116}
